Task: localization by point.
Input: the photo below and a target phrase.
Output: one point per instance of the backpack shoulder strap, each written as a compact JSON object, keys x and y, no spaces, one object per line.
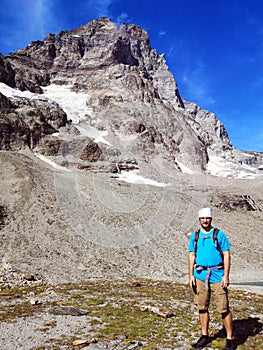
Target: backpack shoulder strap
{"x":196,"y":239}
{"x":217,"y":245}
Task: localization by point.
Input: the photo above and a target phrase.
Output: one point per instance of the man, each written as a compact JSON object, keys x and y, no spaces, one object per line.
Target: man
{"x":209,"y":274}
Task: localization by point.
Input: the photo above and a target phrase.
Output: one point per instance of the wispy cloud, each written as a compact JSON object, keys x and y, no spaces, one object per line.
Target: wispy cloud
{"x":161,"y":33}
{"x":122,"y":18}
{"x":198,"y":86}
{"x":38,"y":15}
{"x":101,"y":6}
{"x":176,"y":50}
{"x":24,"y":21}
{"x":190,"y":74}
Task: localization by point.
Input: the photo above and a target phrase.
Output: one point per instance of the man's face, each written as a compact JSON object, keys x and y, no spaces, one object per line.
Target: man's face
{"x":205,"y":223}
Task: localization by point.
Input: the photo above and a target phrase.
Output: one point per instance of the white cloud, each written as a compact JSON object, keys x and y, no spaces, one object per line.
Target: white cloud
{"x":39,"y":16}
{"x":176,"y":51}
{"x":101,"y":6}
{"x":191,"y":74}
{"x":24,"y":21}
{"x":102,"y":9}
{"x":122,"y":18}
{"x":161,"y":33}
{"x":197,"y":85}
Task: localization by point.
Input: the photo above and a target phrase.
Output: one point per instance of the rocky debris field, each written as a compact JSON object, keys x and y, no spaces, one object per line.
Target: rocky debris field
{"x":66,"y":226}
{"x":118,"y":314}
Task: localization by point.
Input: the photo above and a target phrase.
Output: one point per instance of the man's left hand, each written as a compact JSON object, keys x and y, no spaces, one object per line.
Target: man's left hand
{"x":225,"y":282}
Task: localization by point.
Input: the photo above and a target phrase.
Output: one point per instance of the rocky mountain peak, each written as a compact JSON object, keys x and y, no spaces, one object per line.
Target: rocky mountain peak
{"x":129,"y":93}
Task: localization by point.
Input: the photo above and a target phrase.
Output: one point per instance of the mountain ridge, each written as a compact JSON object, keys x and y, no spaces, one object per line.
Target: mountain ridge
{"x":125,"y":55}
{"x":135,"y":73}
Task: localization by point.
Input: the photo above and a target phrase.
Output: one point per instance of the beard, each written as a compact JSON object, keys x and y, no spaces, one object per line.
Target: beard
{"x":206,"y":226}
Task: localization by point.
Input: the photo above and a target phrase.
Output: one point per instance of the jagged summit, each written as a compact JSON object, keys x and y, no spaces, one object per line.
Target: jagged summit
{"x":124,"y":89}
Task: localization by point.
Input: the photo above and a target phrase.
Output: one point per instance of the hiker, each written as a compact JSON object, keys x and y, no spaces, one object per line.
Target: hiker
{"x":209,"y":266}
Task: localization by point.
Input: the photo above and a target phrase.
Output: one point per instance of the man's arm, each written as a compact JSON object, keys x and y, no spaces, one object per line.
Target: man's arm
{"x":227,"y":264}
{"x":191,"y":262}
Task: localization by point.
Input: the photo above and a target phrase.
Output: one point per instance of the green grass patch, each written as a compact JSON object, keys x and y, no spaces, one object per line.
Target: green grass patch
{"x":114,"y":309}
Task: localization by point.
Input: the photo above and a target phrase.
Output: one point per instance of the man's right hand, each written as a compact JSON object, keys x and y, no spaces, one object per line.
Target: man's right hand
{"x":191,"y":281}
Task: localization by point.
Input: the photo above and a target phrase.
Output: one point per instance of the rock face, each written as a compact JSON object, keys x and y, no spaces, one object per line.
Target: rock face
{"x":25,"y":122}
{"x":7,"y":75}
{"x":129,"y":92}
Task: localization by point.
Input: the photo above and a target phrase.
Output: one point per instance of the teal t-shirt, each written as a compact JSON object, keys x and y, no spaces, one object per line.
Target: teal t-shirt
{"x":207,"y":255}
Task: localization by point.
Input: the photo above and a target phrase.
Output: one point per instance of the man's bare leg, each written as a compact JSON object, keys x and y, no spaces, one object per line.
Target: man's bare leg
{"x":228,"y":324}
{"x":204,"y":321}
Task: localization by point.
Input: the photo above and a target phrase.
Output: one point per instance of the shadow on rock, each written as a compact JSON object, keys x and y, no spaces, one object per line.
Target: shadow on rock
{"x":243,"y":329}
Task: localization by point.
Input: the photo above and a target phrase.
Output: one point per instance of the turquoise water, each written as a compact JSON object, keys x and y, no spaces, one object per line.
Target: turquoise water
{"x":256,"y":284}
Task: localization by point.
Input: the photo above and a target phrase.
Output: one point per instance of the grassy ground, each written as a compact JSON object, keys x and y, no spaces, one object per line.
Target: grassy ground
{"x":114,"y":310}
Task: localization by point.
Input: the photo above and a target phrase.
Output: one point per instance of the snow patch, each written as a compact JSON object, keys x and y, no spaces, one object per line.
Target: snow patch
{"x":53,"y":164}
{"x":127,"y":138}
{"x":218,"y":166}
{"x":97,"y":135}
{"x":133,"y":177}
{"x":75,"y":105}
{"x":10,"y":92}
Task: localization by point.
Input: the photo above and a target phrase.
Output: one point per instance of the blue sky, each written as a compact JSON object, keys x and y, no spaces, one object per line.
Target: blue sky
{"x":213,"y":48}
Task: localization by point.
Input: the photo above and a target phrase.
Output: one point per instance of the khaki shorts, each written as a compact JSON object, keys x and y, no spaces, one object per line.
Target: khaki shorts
{"x":203,"y":296}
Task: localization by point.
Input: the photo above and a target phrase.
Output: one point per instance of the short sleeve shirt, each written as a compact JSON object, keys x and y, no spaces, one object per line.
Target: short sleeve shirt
{"x":207,"y":255}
